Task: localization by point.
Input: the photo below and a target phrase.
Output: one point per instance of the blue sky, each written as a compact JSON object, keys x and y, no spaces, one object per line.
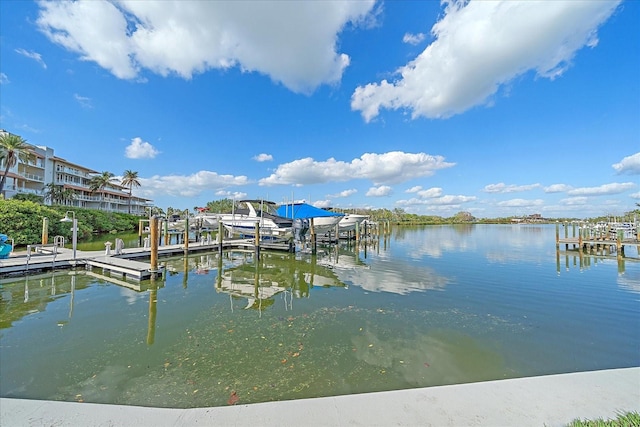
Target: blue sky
{"x":496,"y":108}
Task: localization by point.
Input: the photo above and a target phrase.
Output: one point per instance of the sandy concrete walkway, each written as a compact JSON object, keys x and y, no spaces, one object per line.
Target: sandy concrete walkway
{"x":553,"y":400}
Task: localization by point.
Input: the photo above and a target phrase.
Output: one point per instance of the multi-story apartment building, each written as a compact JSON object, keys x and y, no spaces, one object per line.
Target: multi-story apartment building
{"x":45,"y":168}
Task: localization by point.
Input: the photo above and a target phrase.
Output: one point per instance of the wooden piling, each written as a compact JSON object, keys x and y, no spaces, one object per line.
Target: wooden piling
{"x":153,"y":311}
{"x":167,"y":237}
{"x":619,"y":246}
{"x":580,"y":232}
{"x":220,"y":237}
{"x":45,"y":230}
{"x":186,"y":236}
{"x":313,"y":237}
{"x":185,"y":268}
{"x":257,"y":240}
{"x":153,"y":225}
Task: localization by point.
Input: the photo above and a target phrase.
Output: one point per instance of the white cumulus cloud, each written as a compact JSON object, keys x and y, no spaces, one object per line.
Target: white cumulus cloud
{"x":381,"y":191}
{"x":322,"y":204}
{"x":344,"y":193}
{"x":504,"y":188}
{"x":139,"y":149}
{"x":293,"y":42}
{"x":388,"y":168}
{"x":190,"y":185}
{"x":430,"y":193}
{"x":575,"y":201}
{"x":234,"y":195}
{"x":413,"y":39}
{"x":629,"y":165}
{"x":603,"y":190}
{"x":480,"y":46}
{"x":521,"y":203}
{"x":557,"y":188}
{"x":263,"y":157}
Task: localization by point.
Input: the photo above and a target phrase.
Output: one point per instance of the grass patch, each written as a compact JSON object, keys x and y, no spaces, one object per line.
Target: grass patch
{"x":628,"y":419}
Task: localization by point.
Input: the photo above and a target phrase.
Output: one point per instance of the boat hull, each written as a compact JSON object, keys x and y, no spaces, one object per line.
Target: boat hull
{"x":349,"y":222}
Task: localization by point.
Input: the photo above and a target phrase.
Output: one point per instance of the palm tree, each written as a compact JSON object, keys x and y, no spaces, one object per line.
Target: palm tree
{"x":58,"y":194}
{"x":100,"y":182}
{"x":12,"y":149}
{"x":130,"y":179}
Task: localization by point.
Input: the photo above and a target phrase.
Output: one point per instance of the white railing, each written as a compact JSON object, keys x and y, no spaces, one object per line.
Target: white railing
{"x":33,"y":177}
{"x":70,"y":171}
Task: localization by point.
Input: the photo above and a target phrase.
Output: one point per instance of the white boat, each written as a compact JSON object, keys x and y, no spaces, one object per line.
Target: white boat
{"x":349,"y":221}
{"x":207,"y":221}
{"x":251,"y":212}
{"x":626,"y":230}
{"x":323,"y":221}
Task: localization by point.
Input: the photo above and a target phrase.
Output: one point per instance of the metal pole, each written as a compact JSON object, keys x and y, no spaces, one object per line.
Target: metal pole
{"x":74,"y":237}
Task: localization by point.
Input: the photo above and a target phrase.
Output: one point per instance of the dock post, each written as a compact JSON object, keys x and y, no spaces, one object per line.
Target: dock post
{"x":219,"y":273}
{"x":313,"y":237}
{"x":167,"y":238}
{"x":257,"y":240}
{"x":185,"y":275}
{"x":580,"y":240}
{"x":357,"y":231}
{"x":45,"y":230}
{"x":153,"y":223}
{"x":557,"y":235}
{"x":619,"y":246}
{"x":186,"y":235}
{"x":140,"y":233}
{"x":220,"y":237}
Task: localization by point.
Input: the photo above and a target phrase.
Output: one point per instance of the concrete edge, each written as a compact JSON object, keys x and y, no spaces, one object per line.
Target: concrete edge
{"x":553,"y":400}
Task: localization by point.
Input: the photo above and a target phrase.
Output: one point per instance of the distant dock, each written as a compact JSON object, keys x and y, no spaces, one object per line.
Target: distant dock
{"x":601,"y":238}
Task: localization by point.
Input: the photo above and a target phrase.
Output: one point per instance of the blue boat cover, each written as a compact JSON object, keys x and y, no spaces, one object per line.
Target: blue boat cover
{"x":304,"y":211}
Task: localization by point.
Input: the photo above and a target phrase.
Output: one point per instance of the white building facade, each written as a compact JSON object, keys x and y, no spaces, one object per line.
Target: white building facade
{"x":44,"y":168}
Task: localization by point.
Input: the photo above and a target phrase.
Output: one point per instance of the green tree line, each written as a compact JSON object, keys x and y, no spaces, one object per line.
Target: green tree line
{"x":22,"y":221}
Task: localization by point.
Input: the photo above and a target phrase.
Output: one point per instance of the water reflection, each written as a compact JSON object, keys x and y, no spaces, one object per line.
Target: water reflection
{"x":153,"y":311}
{"x":258,"y":282}
{"x":630,"y":282}
{"x":383,"y":275}
{"x":585,"y":261}
{"x":29,"y":295}
{"x":354,"y":318}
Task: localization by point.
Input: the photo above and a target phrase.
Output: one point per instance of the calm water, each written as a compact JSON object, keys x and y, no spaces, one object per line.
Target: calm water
{"x":427,"y":306}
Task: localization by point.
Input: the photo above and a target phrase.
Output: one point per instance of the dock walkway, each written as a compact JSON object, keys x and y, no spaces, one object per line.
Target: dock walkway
{"x":124,"y":263}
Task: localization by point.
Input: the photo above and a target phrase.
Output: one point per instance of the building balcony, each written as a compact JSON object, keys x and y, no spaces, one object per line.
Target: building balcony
{"x":33,"y":177}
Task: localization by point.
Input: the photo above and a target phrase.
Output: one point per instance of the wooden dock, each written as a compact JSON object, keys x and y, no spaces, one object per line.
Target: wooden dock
{"x":591,"y":239}
{"x":129,"y":263}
